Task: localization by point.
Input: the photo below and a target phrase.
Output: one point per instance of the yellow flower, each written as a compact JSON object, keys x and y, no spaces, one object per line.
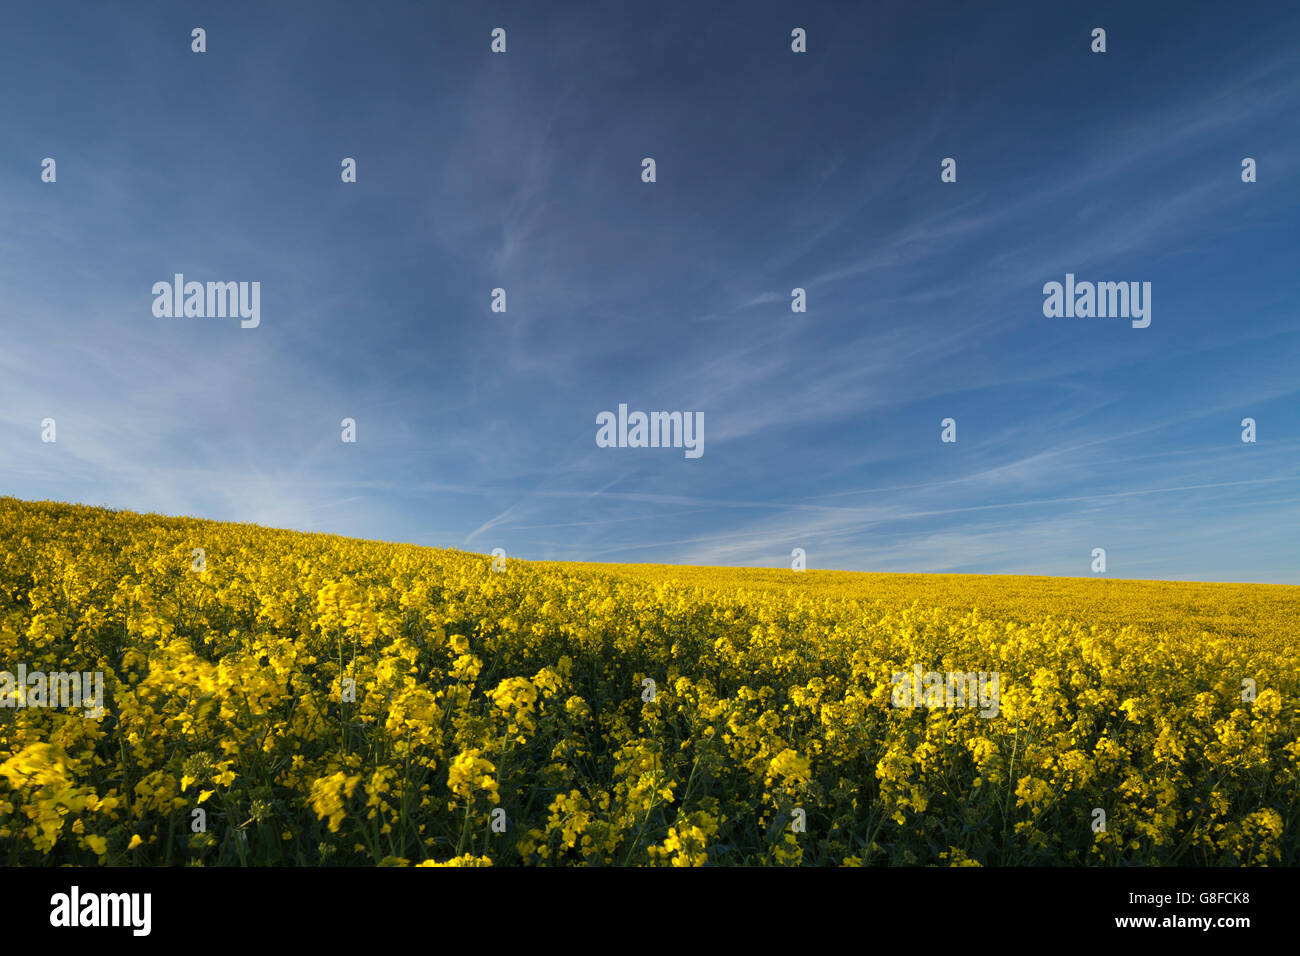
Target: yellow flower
{"x":469,"y":772}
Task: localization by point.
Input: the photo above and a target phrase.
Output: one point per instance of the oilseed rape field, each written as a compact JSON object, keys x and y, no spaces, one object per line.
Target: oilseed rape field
{"x":269,"y":697}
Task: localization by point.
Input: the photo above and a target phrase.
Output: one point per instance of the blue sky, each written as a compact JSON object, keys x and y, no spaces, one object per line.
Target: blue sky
{"x":775,"y":170}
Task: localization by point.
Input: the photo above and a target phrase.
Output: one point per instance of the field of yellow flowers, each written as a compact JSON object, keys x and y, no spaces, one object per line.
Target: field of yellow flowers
{"x":279,"y":698}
